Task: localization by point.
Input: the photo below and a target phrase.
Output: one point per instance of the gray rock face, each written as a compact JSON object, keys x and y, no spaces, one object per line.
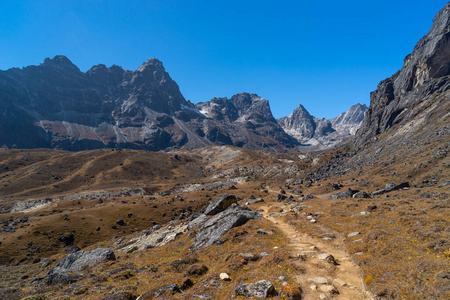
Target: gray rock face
{"x":260,"y":289}
{"x":76,"y":262}
{"x":423,"y":76}
{"x":197,"y":221}
{"x":315,"y":134}
{"x":220,"y":204}
{"x":217,"y":226}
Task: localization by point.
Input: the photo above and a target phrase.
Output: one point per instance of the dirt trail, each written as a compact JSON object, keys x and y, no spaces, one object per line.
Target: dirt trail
{"x":322,"y":279}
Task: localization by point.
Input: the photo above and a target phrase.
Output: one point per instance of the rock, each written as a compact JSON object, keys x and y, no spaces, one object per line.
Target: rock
{"x":329,"y":289}
{"x":447,"y":182}
{"x":361,"y":194}
{"x":339,"y":282}
{"x":161,"y":237}
{"x":353,"y":234}
{"x":328,"y":235}
{"x":76,"y":262}
{"x":322,"y":297}
{"x":343,"y":195}
{"x":263,"y":254}
{"x":224,"y":277}
{"x":363,"y":213}
{"x":257,"y":200}
{"x":260,"y":289}
{"x":249,"y":256}
{"x":391,"y":187}
{"x":327,"y":257}
{"x":220,"y":204}
{"x":262,"y":232}
{"x":307,"y":197}
{"x":120,"y":222}
{"x":214,"y":228}
{"x":319,"y":280}
{"x":197,"y":221}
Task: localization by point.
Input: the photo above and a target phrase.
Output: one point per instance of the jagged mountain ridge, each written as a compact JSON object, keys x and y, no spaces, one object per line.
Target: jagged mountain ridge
{"x":58,"y":106}
{"x":322,"y":133}
{"x":61,"y":107}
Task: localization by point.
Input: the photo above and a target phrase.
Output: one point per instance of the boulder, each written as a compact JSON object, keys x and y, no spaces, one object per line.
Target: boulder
{"x":76,"y":262}
{"x":391,"y":187}
{"x":214,"y":228}
{"x":343,"y":195}
{"x":361,"y":194}
{"x":260,"y":289}
{"x":220,"y":204}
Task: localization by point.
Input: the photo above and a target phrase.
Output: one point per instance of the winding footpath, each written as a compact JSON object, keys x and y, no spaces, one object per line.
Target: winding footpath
{"x":325,"y":277}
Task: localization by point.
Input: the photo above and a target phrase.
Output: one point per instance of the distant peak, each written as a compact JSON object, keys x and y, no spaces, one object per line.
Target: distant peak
{"x":151,"y":63}
{"x":60,"y":62}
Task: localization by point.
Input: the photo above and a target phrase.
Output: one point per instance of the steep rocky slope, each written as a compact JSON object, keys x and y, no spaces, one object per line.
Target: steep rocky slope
{"x":416,"y":93}
{"x":55,"y":105}
{"x":318,"y":134}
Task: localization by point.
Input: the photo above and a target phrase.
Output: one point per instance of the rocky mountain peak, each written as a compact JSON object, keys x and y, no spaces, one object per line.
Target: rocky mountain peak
{"x":151,"y":63}
{"x":424,"y":73}
{"x":60,"y":62}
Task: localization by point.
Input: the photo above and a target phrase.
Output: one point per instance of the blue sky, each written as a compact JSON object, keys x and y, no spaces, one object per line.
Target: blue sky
{"x":326,"y":55}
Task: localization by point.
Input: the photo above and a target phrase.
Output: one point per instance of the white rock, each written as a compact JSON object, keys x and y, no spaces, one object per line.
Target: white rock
{"x":224,"y":277}
{"x":319,"y":280}
{"x":353,"y":234}
{"x":329,"y":289}
{"x":322,"y":296}
{"x":339,"y":282}
{"x":313,"y":287}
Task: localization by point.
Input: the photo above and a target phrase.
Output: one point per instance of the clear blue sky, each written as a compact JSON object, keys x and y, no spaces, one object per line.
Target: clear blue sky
{"x":326,"y":55}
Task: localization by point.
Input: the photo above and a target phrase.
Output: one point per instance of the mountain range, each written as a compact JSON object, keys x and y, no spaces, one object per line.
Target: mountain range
{"x":55,"y":105}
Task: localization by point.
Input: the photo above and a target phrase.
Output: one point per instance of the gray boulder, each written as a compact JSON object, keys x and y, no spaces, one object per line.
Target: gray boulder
{"x":361,"y":194}
{"x":391,"y":187}
{"x":220,"y":204}
{"x":214,"y":228}
{"x":76,"y":262}
{"x":343,"y":195}
{"x":260,"y":289}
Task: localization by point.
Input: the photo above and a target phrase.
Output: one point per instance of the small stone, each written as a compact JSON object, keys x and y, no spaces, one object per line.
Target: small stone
{"x":262,"y":231}
{"x":329,"y":289}
{"x":313,"y":220}
{"x":322,"y":296}
{"x":225,"y":277}
{"x":319,"y":280}
{"x":313,"y":287}
{"x":120,"y":222}
{"x":353,"y":234}
{"x":339,"y":282}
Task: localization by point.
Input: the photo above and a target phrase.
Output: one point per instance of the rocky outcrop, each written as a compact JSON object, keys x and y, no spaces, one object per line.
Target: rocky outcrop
{"x":315,"y":134}
{"x":78,"y":261}
{"x":220,"y":204}
{"x":217,"y":226}
{"x":417,"y":92}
